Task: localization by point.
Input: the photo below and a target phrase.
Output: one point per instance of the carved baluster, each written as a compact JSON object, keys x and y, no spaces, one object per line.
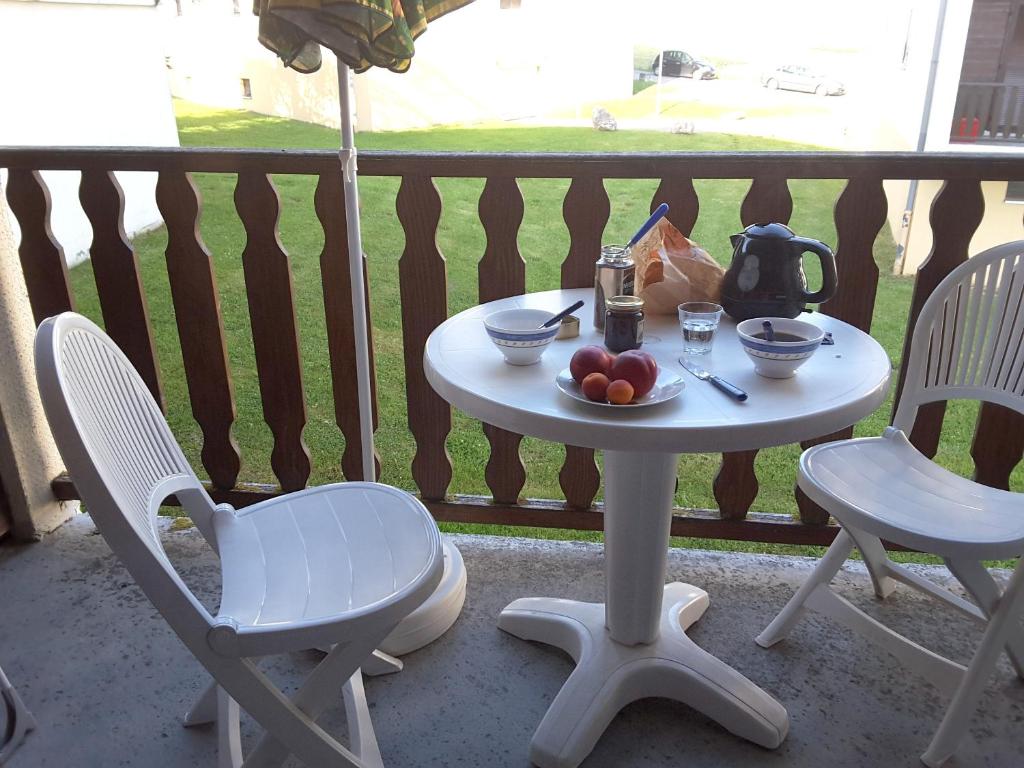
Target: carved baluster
{"x":586,"y":209}
{"x":329,"y":201}
{"x":200,"y":326}
{"x":735,"y":485}
{"x":955,"y":215}
{"x":998,"y":444}
{"x":275,"y":335}
{"x":424,"y":293}
{"x":502,"y":273}
{"x":118,"y":282}
{"x":859,"y":216}
{"x":683,"y":204}
{"x":42,"y":258}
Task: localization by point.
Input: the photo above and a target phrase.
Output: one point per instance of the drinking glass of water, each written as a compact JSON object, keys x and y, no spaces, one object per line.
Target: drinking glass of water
{"x":698,"y":321}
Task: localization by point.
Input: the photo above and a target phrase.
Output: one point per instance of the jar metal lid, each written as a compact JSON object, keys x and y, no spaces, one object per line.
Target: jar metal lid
{"x":614,"y":252}
{"x":624,"y":303}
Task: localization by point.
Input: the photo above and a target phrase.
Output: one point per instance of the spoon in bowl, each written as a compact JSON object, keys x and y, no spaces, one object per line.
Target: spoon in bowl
{"x":567,"y":311}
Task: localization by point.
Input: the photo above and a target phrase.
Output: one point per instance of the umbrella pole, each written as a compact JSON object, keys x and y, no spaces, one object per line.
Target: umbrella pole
{"x":360,"y":329}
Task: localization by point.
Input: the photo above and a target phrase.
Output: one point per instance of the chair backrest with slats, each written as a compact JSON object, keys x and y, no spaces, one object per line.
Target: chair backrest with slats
{"x":121,"y":455}
{"x":968,"y":342}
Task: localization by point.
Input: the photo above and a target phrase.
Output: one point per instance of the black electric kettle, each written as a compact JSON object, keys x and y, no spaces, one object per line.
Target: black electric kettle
{"x":766,"y":277}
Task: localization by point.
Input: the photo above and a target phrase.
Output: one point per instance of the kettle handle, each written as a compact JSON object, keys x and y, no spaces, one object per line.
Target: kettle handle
{"x":829,"y":278}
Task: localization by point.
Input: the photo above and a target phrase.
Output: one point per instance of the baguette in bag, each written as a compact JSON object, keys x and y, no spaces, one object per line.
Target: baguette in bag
{"x":672,"y":269}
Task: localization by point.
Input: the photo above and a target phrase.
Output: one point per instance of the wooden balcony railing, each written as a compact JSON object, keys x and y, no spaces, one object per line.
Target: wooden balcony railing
{"x":859,"y":215}
{"x":987,"y":113}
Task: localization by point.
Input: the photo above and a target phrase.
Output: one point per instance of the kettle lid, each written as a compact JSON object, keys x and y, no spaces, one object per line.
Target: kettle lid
{"x":771,"y":231}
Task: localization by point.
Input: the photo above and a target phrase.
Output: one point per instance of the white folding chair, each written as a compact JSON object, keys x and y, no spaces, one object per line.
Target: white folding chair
{"x":968,"y":344}
{"x":337,"y":566}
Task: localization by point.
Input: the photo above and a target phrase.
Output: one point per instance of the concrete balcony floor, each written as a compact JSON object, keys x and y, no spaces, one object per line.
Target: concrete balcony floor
{"x":109,"y":682}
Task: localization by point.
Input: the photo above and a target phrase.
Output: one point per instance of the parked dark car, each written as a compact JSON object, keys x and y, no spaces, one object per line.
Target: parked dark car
{"x":682,"y":64}
{"x":793,"y":77}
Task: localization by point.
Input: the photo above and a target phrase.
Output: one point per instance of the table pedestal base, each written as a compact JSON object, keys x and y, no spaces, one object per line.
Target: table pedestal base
{"x":610,"y":675}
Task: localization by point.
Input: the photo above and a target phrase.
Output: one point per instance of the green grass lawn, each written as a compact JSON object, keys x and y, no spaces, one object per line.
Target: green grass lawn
{"x":543,"y":241}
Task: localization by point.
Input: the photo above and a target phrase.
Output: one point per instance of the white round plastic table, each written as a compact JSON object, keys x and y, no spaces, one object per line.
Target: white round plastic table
{"x":634,"y":645}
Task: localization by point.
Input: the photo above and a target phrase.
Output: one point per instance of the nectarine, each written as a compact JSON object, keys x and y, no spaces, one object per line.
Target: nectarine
{"x":589,"y":359}
{"x":636,"y":367}
{"x":594,"y":386}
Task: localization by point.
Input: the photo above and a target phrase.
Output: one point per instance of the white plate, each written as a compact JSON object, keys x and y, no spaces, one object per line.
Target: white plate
{"x":667,"y":386}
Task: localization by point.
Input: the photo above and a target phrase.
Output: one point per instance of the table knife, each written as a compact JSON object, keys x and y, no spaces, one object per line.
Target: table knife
{"x":705,"y":375}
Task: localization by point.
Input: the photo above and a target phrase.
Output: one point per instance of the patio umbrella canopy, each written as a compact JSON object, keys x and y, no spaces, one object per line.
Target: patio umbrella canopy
{"x":362,"y":33}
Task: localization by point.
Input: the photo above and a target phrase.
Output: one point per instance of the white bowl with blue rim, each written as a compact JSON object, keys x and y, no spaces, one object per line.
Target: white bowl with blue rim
{"x":518,"y":335}
{"x":779,"y":359}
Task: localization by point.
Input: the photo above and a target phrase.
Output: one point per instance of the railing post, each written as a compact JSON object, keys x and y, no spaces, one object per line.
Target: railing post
{"x":28,"y":457}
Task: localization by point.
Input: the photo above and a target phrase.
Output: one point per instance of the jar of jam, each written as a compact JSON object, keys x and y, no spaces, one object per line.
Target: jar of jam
{"x":624,"y":323}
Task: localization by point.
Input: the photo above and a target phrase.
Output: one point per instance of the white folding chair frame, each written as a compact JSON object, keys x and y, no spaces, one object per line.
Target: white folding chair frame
{"x":140,"y":477}
{"x":962,"y":348}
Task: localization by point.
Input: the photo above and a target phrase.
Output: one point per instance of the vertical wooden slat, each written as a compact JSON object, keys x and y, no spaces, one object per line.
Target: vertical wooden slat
{"x":275,"y":333}
{"x":586,"y":209}
{"x":955,"y":215}
{"x":502,"y":273}
{"x":42,"y":258}
{"x":424,"y":291}
{"x":768,"y":199}
{"x":329,"y":201}
{"x":859,"y":216}
{"x":735,"y":484}
{"x":118,"y":279}
{"x":200,"y":326}
{"x":998,"y":443}
{"x":683,"y":203}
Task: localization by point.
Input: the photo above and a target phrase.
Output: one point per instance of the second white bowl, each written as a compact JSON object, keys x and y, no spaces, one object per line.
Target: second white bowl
{"x":779,"y":359}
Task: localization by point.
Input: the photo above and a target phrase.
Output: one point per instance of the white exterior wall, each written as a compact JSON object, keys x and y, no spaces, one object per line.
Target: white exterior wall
{"x":900,"y":130}
{"x":478,"y":64}
{"x":85,"y":74}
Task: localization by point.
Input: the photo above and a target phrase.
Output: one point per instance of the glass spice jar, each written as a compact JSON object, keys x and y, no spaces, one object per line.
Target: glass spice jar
{"x":624,"y":323}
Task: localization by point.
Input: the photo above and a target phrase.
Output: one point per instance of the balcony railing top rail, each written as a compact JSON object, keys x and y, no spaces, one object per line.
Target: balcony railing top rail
{"x":543,"y":165}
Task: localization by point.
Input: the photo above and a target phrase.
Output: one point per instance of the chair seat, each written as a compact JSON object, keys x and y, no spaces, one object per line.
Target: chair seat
{"x":326,"y":553}
{"x":885,"y":486}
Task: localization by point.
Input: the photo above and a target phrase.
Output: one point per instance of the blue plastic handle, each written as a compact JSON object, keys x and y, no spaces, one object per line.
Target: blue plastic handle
{"x":659,"y":213}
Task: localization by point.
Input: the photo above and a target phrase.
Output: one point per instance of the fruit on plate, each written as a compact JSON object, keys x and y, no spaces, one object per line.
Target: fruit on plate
{"x":595,"y":386}
{"x":636,"y":367}
{"x":619,"y":392}
{"x":587,"y":360}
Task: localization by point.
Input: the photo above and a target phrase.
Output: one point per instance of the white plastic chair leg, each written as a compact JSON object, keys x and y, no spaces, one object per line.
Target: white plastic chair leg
{"x":361,"y":735}
{"x":205,"y":709}
{"x":876,"y":560}
{"x":229,"y":735}
{"x":1003,"y":623}
{"x":986,"y":593}
{"x":283,"y":720}
{"x":313,"y":697}
{"x":19,"y":719}
{"x":823,"y":573}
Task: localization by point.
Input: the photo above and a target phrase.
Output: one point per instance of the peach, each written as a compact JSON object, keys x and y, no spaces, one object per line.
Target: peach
{"x":589,"y":359}
{"x":594,"y":386}
{"x":636,"y":367}
{"x":619,"y":392}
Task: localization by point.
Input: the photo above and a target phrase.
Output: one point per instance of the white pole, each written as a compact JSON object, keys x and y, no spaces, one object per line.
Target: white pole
{"x":360,"y":329}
